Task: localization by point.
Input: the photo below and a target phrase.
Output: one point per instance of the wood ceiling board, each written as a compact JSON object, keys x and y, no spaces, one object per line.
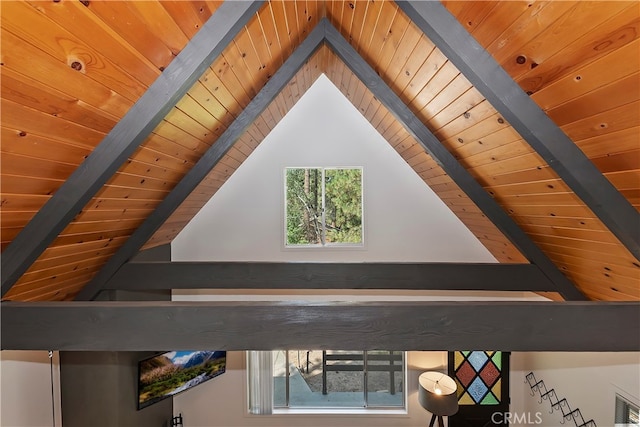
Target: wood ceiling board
{"x":527,"y":29}
{"x":189,"y":16}
{"x":603,"y":268}
{"x":621,"y":92}
{"x":497,"y":20}
{"x":619,"y":30}
{"x":480,"y":121}
{"x":25,"y":59}
{"x":77,"y":257}
{"x":53,"y":271}
{"x":376,"y":23}
{"x":614,"y":120}
{"x":625,"y":140}
{"x":471,"y":14}
{"x":581,"y":19}
{"x":564,"y":326}
{"x":27,"y":185}
{"x":527,"y":118}
{"x":615,"y":65}
{"x":137,"y":30}
{"x":23,"y":90}
{"x":82,"y":22}
{"x":45,"y":291}
{"x":460,"y":108}
{"x":394,"y":46}
{"x":123,"y":139}
{"x":56,"y":129}
{"x":65,"y":47}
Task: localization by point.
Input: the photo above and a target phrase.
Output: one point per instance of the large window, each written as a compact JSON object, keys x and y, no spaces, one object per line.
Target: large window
{"x":323,"y":206}
{"x":338,"y":379}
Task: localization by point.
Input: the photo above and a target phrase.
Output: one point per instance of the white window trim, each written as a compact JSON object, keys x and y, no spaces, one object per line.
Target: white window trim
{"x":323,"y":246}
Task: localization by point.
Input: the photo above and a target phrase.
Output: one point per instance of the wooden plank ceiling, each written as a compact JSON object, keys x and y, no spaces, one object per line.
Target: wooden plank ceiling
{"x":72,"y":69}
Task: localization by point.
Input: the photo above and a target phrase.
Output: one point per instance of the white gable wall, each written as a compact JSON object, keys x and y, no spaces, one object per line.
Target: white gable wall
{"x":404,"y":221}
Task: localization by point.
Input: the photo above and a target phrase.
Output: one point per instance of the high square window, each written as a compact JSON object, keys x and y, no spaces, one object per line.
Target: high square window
{"x":323,"y":207}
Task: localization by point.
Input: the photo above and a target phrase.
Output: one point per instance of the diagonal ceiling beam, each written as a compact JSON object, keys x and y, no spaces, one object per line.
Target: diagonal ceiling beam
{"x":239,"y":325}
{"x":304,"y":275}
{"x":124,"y":138}
{"x":449,"y":164}
{"x":208,"y":161}
{"x":528,"y":119}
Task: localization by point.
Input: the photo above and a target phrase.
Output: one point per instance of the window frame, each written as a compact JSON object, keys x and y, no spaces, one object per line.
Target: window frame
{"x":323,"y":244}
{"x":623,"y":408}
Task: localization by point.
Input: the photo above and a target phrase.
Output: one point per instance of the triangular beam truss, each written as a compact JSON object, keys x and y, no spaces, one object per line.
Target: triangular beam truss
{"x":325,"y":33}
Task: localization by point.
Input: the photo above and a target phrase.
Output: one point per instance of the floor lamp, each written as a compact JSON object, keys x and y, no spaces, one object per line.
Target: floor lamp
{"x":437,"y":394}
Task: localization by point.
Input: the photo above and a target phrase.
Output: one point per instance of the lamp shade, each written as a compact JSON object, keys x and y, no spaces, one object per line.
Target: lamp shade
{"x":437,"y":393}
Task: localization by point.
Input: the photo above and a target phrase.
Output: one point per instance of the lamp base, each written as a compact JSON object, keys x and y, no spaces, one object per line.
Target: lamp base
{"x":433,"y":420}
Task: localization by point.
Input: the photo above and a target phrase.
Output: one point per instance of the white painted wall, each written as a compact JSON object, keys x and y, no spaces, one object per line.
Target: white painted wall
{"x":404,"y":220}
{"x":589,"y":381}
{"x":25,"y":389}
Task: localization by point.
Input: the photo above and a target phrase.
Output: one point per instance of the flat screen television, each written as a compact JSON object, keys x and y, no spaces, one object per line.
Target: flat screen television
{"x":172,"y":372}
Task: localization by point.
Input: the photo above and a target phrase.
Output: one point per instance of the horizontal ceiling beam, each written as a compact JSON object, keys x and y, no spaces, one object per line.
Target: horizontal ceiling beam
{"x":137,"y":326}
{"x":305,"y":275}
{"x":207,"y":162}
{"x":126,"y":136}
{"x":528,"y":119}
{"x":449,"y":163}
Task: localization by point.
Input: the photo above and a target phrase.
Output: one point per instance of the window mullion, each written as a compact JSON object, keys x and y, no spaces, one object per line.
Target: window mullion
{"x":365,"y":369}
{"x":286,"y":383}
{"x":324,"y":210}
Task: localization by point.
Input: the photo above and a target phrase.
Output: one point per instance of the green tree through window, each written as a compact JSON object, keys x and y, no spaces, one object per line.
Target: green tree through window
{"x":323,"y":206}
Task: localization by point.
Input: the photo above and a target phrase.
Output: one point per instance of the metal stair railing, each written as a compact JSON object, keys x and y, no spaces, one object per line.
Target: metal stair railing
{"x":561,"y":405}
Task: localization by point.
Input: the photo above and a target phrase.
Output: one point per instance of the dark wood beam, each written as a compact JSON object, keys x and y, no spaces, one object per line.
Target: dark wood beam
{"x":124,"y":138}
{"x":208,"y":161}
{"x":134,"y":326}
{"x":305,"y":275}
{"x":528,"y":119}
{"x":449,"y":163}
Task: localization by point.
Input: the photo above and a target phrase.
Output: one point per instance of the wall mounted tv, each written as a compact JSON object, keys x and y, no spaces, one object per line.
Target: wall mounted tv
{"x":170,"y":373}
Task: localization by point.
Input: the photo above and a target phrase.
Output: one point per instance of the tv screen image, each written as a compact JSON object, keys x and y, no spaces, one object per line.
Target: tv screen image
{"x":172,"y":372}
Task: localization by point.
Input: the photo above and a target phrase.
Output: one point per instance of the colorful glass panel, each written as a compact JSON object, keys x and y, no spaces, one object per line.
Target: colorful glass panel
{"x":489,"y":374}
{"x":497,"y":360}
{"x":497,"y":390}
{"x":466,"y":374}
{"x":478,"y":359}
{"x":465,"y":399}
{"x":478,"y":376}
{"x":477,"y":390}
{"x":489,"y":399}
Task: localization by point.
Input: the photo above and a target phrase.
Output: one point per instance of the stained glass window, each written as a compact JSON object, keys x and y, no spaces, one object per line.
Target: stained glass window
{"x":478,"y":376}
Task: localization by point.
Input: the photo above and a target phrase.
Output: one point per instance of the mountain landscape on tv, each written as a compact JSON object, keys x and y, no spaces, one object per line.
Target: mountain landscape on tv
{"x":170,"y":373}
